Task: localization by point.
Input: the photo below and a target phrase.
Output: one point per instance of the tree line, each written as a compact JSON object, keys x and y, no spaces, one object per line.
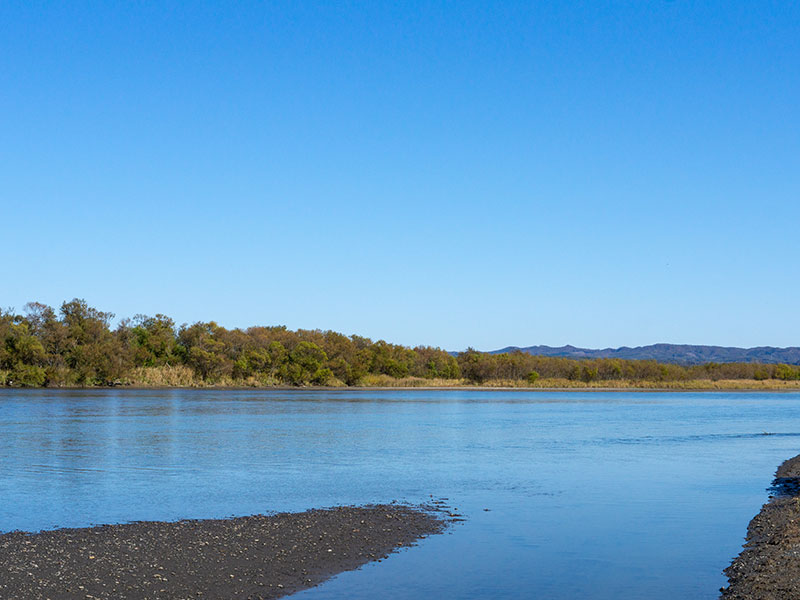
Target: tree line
{"x":77,"y":346}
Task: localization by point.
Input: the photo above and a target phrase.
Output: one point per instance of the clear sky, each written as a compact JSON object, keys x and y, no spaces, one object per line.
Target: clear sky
{"x":444,"y":173}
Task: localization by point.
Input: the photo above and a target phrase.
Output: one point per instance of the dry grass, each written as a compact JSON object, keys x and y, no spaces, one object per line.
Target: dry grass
{"x":166,"y":376}
{"x":559,"y":383}
{"x":409,"y":382}
{"x":692,"y":384}
{"x":182,"y":376}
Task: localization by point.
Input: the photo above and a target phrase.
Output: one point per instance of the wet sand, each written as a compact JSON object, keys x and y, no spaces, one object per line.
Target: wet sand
{"x":769,"y":566}
{"x":245,"y":557}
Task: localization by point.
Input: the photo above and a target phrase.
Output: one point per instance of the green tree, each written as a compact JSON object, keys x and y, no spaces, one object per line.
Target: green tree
{"x":305,"y":363}
{"x":92,"y":353}
{"x":153,"y":341}
{"x":786,"y":373}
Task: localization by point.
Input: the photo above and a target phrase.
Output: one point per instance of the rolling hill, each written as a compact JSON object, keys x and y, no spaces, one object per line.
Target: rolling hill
{"x":683,"y":354}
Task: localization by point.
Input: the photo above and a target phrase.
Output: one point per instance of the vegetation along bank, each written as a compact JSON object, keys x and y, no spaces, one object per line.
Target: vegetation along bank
{"x":76,"y":345}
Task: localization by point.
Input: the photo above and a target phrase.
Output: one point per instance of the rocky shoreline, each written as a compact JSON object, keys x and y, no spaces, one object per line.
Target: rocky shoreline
{"x":255,"y":557}
{"x":769,"y":566}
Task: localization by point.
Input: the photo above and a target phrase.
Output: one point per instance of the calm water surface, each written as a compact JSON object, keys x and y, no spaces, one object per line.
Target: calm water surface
{"x":621,"y":495}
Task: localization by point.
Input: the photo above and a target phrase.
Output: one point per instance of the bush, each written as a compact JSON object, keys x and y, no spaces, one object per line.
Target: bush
{"x":27,"y":376}
{"x":589,"y":374}
{"x":786,"y":373}
{"x":323,"y":376}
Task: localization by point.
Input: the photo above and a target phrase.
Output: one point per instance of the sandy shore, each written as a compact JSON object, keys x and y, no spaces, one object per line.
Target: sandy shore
{"x":247,"y":557}
{"x":769,"y":566}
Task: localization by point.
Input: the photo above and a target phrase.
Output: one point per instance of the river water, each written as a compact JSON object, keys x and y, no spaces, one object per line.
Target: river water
{"x":600,"y":495}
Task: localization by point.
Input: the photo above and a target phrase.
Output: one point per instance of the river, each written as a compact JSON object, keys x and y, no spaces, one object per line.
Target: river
{"x":600,"y":495}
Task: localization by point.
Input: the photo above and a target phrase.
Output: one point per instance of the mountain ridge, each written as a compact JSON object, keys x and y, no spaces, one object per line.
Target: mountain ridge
{"x":683,"y":354}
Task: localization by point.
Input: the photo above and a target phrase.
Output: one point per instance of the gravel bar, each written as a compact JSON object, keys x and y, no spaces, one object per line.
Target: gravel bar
{"x":261,"y":556}
{"x":769,"y":566}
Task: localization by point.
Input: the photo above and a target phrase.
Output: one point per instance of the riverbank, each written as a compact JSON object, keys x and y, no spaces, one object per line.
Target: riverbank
{"x":769,"y":566}
{"x":420,"y":383}
{"x":576,"y":384}
{"x":255,"y":557}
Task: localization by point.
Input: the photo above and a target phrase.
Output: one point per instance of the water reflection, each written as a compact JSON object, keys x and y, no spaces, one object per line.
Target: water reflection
{"x":601,"y":495}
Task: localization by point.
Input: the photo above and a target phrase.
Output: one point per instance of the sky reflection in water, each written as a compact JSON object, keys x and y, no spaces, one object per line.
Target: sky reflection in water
{"x":599,"y":495}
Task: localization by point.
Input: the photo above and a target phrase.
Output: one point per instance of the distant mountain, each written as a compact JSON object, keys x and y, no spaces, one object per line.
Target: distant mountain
{"x":681,"y":354}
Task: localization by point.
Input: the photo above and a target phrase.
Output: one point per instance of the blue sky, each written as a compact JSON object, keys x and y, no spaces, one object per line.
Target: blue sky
{"x":445,"y":173}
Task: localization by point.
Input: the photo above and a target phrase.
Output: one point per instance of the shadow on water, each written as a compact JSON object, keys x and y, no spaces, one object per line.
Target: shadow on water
{"x":785,"y":486}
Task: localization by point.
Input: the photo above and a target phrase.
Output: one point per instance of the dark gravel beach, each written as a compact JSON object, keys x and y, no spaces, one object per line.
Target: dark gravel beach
{"x":769,"y":566}
{"x":245,"y":557}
